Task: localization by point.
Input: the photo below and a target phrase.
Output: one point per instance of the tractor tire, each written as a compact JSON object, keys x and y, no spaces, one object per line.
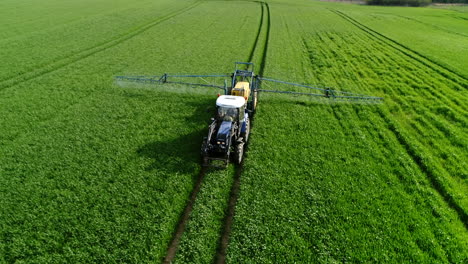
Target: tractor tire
{"x":255,"y":99}
{"x":239,"y":153}
{"x":203,"y":147}
{"x":246,"y":134}
{"x":205,"y":161}
{"x":204,"y":158}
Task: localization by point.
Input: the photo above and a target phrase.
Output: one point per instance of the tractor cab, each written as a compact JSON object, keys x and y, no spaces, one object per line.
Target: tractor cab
{"x":230,"y":108}
{"x":228,"y":127}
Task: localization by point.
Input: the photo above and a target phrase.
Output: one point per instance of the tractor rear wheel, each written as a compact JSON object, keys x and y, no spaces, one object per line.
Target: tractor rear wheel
{"x":255,"y":98}
{"x":239,"y":153}
{"x":246,"y":134}
{"x":205,"y":161}
{"x":204,"y":154}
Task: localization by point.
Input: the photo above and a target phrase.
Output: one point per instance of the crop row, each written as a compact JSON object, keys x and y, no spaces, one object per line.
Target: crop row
{"x":206,"y":236}
{"x":94,"y":172}
{"x":328,"y":182}
{"x":443,"y":124}
{"x":38,"y":52}
{"x":423,"y":30}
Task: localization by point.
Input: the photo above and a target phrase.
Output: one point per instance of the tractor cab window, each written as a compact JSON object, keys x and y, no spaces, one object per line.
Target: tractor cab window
{"x":227,"y":114}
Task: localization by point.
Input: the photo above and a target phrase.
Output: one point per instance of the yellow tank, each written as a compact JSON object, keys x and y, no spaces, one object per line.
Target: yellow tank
{"x":241,"y":89}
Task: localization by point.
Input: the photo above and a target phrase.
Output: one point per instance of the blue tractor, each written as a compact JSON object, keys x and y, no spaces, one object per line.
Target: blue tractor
{"x":229,"y":131}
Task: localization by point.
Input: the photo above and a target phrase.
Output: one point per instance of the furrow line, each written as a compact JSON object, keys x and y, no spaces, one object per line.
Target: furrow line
{"x":234,"y":195}
{"x":52,"y":117}
{"x":228,"y":221}
{"x":51,"y":67}
{"x":184,"y":218}
{"x":432,"y":25}
{"x":265,"y":47}
{"x":433,"y":178}
{"x":254,"y":47}
{"x":434,"y":65}
{"x":229,"y":215}
{"x":452,"y":97}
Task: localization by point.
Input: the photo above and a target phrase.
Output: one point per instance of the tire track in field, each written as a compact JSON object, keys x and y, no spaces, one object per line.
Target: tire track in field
{"x":234,"y":195}
{"x":434,"y":180}
{"x":81,"y":98}
{"x":174,"y":244}
{"x":229,"y":217}
{"x":254,"y":47}
{"x":70,"y":59}
{"x":432,"y":25}
{"x":387,"y":56}
{"x":408,"y":52}
{"x":267,"y":38}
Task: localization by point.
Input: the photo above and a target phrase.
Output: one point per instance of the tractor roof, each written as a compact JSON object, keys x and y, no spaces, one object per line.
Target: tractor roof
{"x":230,"y":101}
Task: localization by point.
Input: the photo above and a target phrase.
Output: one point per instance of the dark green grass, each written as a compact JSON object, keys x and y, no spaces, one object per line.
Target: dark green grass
{"x":38,"y":35}
{"x":96,"y":172}
{"x":105,"y":188}
{"x":353,"y":183}
{"x":421,"y":29}
{"x":336,"y":196}
{"x":202,"y":233}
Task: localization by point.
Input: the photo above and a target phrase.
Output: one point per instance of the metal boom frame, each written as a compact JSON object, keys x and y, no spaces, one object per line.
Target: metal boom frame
{"x":247,"y":75}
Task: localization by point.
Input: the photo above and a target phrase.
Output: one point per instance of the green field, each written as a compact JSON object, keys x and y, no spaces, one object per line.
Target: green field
{"x":97,"y":171}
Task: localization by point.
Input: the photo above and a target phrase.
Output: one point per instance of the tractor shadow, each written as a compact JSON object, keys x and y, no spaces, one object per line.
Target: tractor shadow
{"x":182,"y":153}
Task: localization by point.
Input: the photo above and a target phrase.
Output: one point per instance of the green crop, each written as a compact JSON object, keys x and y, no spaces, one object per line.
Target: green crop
{"x":351,"y":183}
{"x":93,"y":170}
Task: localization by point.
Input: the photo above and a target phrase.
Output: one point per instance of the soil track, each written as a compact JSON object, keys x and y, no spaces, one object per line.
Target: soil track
{"x":259,"y":31}
{"x":264,"y":26}
{"x":224,"y":240}
{"x":229,"y":219}
{"x":172,"y":249}
{"x":265,"y":49}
